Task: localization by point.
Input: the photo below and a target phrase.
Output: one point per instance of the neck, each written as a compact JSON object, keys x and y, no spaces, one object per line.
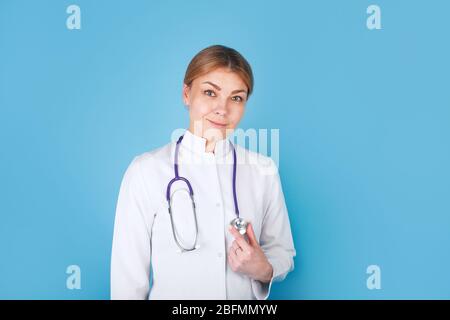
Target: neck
{"x":210,"y":141}
{"x":210,"y":145}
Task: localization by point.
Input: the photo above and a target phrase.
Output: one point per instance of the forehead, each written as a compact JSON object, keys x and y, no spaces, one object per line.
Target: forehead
{"x":223,"y":78}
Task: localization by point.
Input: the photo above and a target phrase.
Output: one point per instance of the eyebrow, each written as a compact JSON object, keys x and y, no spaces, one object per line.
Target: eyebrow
{"x":218,"y":88}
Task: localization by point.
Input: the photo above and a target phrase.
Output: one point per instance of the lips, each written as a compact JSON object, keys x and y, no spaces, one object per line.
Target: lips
{"x":218,"y":124}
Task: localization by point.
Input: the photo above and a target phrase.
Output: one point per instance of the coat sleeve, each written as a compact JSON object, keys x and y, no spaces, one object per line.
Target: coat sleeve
{"x":131,"y":249}
{"x":276,"y":237}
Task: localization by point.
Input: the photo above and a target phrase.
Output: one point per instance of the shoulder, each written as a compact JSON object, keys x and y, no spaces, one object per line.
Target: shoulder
{"x":158,"y":154}
{"x":263,"y":164}
{"x":151,"y":160}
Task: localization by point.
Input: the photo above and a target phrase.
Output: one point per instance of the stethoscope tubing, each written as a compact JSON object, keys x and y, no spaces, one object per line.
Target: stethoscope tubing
{"x":191,"y":195}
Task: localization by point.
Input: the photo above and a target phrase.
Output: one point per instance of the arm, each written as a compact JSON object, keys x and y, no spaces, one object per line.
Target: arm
{"x":276,"y":237}
{"x":130,"y":259}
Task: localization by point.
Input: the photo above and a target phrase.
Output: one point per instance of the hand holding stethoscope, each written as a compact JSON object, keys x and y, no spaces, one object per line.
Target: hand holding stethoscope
{"x":248,"y":257}
{"x":245,"y":257}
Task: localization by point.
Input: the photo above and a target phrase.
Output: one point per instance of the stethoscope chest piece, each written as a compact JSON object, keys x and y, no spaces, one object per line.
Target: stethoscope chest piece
{"x":240,"y":224}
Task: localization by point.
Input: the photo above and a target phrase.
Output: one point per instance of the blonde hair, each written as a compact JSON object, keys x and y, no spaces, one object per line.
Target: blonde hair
{"x":218,"y":56}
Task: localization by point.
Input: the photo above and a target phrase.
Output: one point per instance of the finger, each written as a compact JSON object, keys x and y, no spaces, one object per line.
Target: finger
{"x":233,"y":248}
{"x":232,"y":261}
{"x":236,"y":249}
{"x":239,"y":253}
{"x":251,"y":235}
{"x":239,"y":238}
{"x":234,"y":245}
{"x":233,"y":256}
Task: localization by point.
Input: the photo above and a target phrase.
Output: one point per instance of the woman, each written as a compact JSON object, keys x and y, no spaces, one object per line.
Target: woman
{"x":201,"y":255}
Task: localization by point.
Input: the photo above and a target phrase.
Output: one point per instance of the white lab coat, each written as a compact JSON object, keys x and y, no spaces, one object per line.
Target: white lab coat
{"x":143,"y":238}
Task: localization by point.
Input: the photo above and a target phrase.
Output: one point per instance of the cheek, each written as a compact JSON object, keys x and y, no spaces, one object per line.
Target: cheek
{"x":200,"y":108}
{"x":236,"y":114}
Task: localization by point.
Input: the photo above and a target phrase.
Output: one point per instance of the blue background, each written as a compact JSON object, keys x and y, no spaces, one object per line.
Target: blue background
{"x":363,"y":118}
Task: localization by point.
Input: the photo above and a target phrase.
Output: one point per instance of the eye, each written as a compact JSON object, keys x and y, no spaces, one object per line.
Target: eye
{"x":237,"y":98}
{"x":209,"y":93}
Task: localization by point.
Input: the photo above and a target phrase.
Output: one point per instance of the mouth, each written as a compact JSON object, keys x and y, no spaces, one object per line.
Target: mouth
{"x":217,"y":124}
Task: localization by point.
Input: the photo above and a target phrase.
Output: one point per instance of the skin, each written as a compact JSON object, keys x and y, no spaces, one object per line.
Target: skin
{"x":220,"y":96}
{"x":247,"y":256}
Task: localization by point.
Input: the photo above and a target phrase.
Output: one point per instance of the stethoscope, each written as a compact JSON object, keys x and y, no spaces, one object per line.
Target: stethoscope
{"x":239,"y":223}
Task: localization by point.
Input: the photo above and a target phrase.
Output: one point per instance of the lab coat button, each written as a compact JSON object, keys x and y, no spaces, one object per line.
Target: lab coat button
{"x":217,"y":204}
{"x":219,"y":255}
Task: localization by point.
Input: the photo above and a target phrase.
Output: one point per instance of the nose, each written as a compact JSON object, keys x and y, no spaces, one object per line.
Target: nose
{"x":220,"y":108}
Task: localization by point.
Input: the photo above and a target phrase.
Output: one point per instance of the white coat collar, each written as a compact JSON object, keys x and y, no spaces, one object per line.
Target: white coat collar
{"x":197,"y":145}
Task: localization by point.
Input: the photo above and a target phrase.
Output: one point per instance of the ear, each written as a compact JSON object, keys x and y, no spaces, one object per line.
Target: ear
{"x":185,"y":95}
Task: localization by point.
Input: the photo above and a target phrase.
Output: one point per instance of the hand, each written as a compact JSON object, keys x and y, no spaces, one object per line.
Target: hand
{"x":248,"y":257}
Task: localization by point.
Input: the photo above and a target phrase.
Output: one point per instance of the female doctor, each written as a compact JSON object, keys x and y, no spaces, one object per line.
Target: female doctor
{"x":206,"y":217}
